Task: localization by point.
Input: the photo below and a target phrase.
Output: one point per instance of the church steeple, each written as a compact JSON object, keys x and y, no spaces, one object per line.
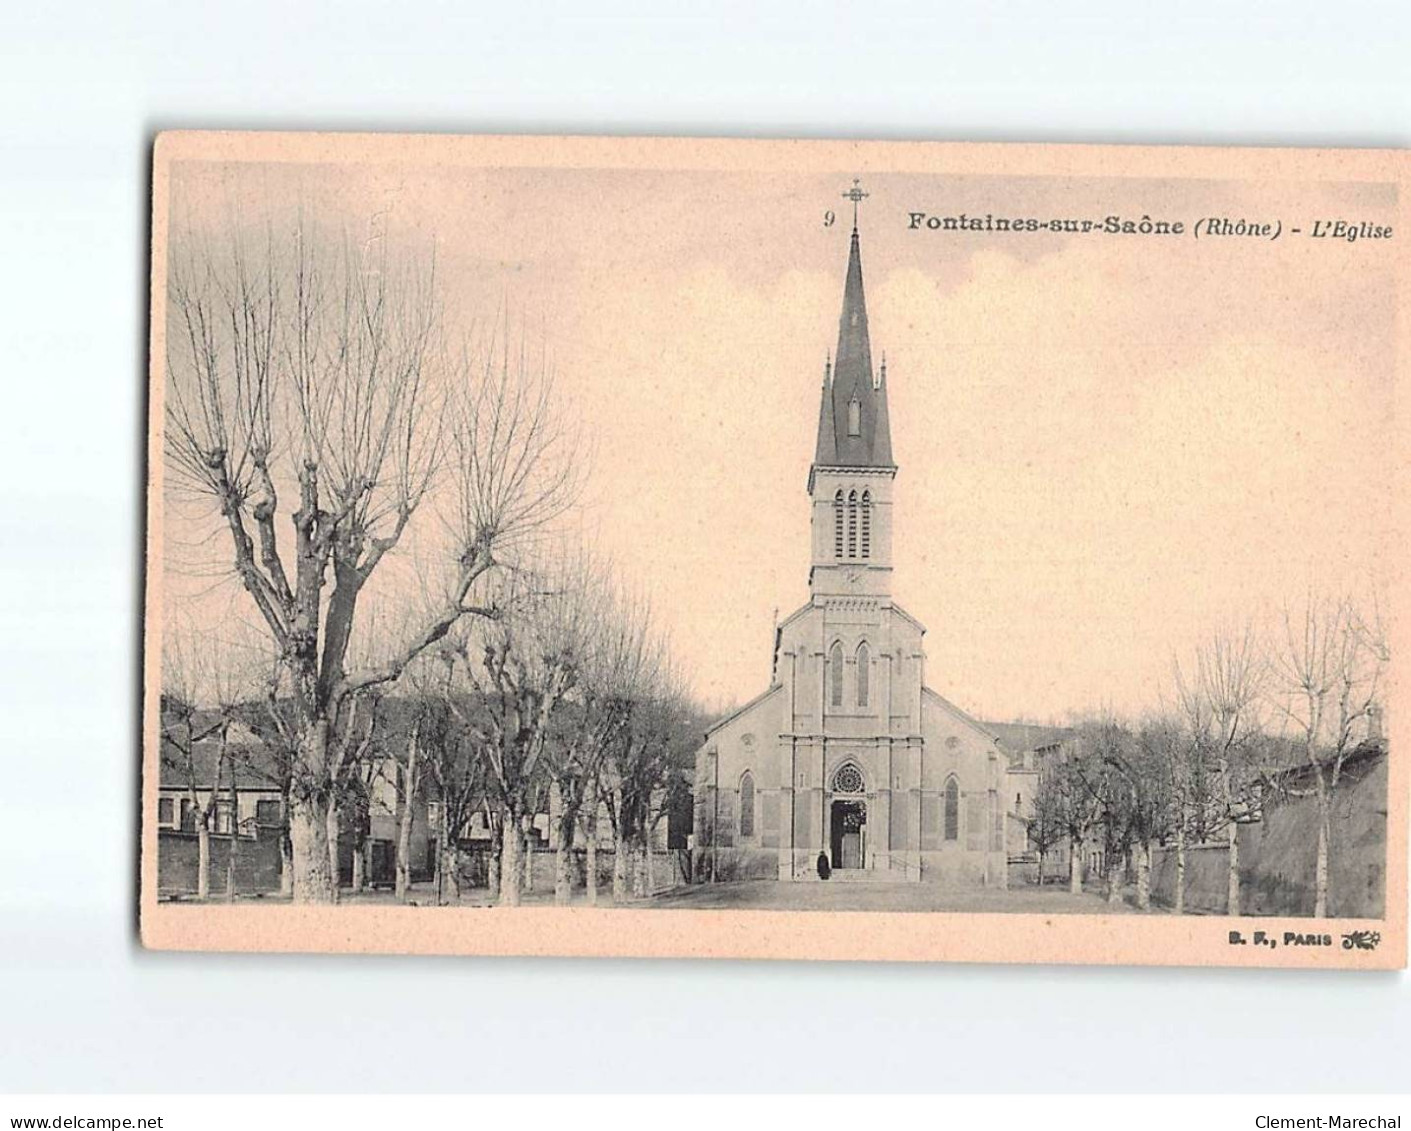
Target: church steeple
{"x":853,"y":426}
{"x":850,"y":481}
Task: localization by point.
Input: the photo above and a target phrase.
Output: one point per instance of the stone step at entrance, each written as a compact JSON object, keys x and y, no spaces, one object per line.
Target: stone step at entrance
{"x":861,"y":876}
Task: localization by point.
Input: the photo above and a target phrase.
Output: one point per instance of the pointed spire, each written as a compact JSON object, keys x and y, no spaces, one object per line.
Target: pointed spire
{"x":859,"y":438}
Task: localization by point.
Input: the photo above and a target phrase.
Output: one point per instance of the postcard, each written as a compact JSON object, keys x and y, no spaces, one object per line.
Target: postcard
{"x":776,"y":549}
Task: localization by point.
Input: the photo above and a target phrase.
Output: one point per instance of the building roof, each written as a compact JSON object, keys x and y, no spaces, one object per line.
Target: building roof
{"x":256,"y":767}
{"x":850,"y":378}
{"x":738,"y":711}
{"x":1020,"y":738}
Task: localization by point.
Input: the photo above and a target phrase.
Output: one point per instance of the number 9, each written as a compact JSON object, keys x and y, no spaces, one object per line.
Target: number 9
{"x":828,"y":219}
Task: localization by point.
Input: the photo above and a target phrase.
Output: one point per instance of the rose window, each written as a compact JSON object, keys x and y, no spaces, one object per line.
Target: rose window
{"x":848,"y":779}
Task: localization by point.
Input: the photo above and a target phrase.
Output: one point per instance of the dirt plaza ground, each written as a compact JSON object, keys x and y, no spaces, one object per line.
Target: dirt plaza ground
{"x":772,"y":895}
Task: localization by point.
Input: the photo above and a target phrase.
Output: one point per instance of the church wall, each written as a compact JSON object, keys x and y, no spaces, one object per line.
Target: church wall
{"x":744,"y":744}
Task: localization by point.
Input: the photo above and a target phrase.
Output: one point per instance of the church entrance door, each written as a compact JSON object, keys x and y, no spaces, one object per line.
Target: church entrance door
{"x":849,"y":833}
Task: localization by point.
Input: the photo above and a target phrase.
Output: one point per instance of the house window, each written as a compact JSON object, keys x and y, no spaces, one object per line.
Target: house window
{"x":852,"y":524}
{"x":1018,"y":802}
{"x":164,"y":811}
{"x":854,"y":417}
{"x":266,"y":812}
{"x":188,"y":816}
{"x":952,"y":816}
{"x":835,"y":675}
{"x":838,"y":525}
{"x":747,"y":805}
{"x":864,"y":671}
{"x":224,"y":815}
{"x":867,"y":524}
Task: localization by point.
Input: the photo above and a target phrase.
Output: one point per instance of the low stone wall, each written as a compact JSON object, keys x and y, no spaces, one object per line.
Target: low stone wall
{"x":724,"y":864}
{"x":256,"y":863}
{"x":1278,"y":857}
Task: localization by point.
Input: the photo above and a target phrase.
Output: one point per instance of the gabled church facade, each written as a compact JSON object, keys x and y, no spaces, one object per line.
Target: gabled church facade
{"x":849,"y":754}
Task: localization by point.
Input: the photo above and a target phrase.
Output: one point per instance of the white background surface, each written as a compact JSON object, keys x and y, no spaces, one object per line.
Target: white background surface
{"x":85,"y":87}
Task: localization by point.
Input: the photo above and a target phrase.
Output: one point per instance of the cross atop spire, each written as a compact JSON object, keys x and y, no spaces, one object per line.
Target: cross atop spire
{"x":857,"y":196}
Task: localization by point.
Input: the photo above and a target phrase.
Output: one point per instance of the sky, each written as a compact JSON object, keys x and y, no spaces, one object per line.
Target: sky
{"x":1108,"y":445}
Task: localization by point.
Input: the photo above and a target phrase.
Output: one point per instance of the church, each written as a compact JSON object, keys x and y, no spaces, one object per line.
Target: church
{"x":848,"y":756}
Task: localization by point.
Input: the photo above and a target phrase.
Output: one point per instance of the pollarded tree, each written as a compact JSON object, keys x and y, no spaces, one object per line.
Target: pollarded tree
{"x":1103,"y":767}
{"x":620,"y":658}
{"x":1221,"y":702}
{"x":302,"y":364}
{"x":205,"y":684}
{"x":516,"y":672}
{"x":1064,"y":791}
{"x":1328,"y":667}
{"x":639,"y":769}
{"x":1044,"y":827}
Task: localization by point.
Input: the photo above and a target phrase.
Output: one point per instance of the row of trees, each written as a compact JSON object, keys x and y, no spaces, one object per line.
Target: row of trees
{"x":565,"y":702}
{"x":324,"y":409}
{"x":1253,"y":716}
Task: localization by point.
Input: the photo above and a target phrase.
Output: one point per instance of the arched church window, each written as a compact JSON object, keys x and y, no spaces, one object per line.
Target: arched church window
{"x":952,"y":817}
{"x":852,"y":524}
{"x":854,"y":417}
{"x":835,"y":675}
{"x":747,"y":804}
{"x":838,"y":524}
{"x":867,"y":524}
{"x":864,"y":672}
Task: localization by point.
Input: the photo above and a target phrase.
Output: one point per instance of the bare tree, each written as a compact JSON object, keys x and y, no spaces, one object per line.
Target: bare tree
{"x":1328,"y":666}
{"x":638,"y":769}
{"x":1221,"y":703}
{"x":204,"y":684}
{"x":1065,"y":793}
{"x":1044,"y":827}
{"x":305,"y":362}
{"x":517,"y":671}
{"x":618,"y":658}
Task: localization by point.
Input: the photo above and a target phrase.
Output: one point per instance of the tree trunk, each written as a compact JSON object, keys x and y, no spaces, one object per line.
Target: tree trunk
{"x":563,"y":857}
{"x":639,"y":879}
{"x":647,"y":885}
{"x":1116,"y":867}
{"x":1075,"y":866}
{"x":511,"y":870}
{"x":526,"y":823}
{"x":331,"y":836}
{"x":619,"y":849}
{"x":1320,"y":868}
{"x":286,"y":859}
{"x":359,"y":867}
{"x":234,"y":839}
{"x":492,"y":866}
{"x":1179,"y":900}
{"x":308,"y":837}
{"x":1041,"y":870}
{"x":1144,"y":875}
{"x":590,"y":832}
{"x":203,"y":859}
{"x":619,"y":865}
{"x":404,"y":848}
{"x":1232,"y":895}
{"x":448,"y":871}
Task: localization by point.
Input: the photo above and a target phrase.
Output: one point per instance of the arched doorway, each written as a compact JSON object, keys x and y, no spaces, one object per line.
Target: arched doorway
{"x":849,"y":825}
{"x":847,"y":818}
